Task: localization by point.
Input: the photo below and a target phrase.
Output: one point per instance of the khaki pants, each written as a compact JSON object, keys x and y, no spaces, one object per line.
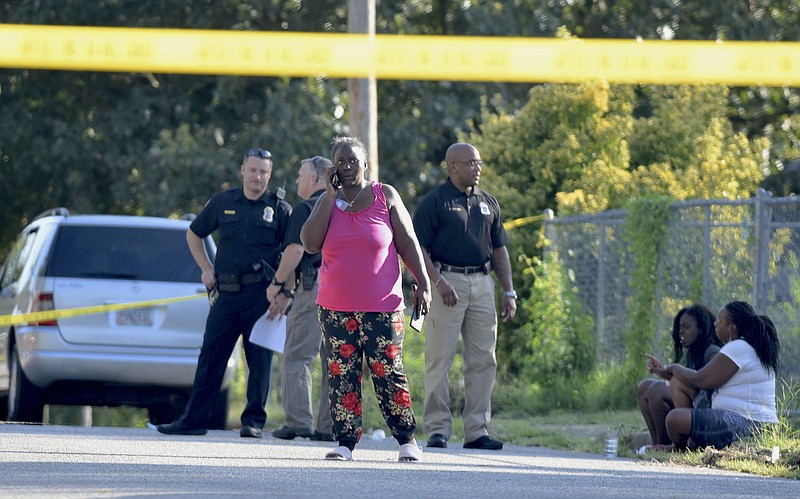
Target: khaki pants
{"x":474,"y":319}
{"x":303,"y":344}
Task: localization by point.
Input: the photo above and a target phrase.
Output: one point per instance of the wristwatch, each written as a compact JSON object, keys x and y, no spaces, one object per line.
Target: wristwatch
{"x":511,"y":294}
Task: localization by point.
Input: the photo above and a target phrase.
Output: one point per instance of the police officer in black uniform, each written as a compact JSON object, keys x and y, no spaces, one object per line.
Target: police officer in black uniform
{"x":251,"y":222}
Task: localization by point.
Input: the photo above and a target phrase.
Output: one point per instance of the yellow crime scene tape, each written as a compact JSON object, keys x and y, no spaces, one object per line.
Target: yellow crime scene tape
{"x":521,"y":222}
{"x":47,"y":315}
{"x":511,"y":59}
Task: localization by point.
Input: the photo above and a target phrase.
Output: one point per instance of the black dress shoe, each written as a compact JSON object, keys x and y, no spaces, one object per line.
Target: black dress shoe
{"x":485,"y":442}
{"x":178,"y":428}
{"x":287,"y":433}
{"x":437,"y":440}
{"x":322,"y":437}
{"x":250,"y":432}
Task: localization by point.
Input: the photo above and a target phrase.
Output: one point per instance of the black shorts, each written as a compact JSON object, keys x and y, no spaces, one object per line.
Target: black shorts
{"x":720,"y":427}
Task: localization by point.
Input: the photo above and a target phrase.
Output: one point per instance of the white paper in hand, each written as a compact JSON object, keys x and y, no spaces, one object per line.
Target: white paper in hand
{"x":270,"y":334}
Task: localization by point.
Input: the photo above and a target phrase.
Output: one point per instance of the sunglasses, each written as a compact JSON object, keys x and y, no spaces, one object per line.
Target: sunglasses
{"x":258,"y":153}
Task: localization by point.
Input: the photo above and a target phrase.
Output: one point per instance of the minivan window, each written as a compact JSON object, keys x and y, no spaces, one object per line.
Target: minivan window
{"x":146,"y":254}
{"x":16,"y":260}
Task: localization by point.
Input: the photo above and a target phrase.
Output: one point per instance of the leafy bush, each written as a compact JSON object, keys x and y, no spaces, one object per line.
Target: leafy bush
{"x":559,"y":337}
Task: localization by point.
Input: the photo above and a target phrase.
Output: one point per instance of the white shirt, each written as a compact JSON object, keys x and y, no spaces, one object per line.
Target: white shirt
{"x":751,"y":390}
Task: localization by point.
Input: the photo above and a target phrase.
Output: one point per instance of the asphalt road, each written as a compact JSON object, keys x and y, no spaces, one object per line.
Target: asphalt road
{"x":61,"y":461}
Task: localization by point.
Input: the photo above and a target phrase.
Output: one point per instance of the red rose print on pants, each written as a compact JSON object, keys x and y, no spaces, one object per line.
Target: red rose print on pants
{"x":351,"y":325}
{"x":347,"y":350}
{"x":334,"y":368}
{"x":392,"y":351}
{"x":351,"y":403}
{"x":402,"y":398}
{"x":378,"y":369}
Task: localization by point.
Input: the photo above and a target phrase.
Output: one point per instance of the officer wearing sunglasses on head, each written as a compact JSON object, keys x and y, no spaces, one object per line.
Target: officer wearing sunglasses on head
{"x":251,"y":222}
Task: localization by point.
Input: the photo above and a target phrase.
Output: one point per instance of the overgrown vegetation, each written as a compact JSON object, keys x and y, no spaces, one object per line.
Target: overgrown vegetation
{"x":645,"y":229}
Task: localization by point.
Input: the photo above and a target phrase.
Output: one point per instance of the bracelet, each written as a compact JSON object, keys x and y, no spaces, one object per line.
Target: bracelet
{"x":288,"y":293}
{"x":438,"y":280}
{"x":276,"y":282}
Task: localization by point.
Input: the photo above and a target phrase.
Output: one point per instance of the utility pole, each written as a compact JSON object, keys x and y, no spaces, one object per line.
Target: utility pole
{"x":363,"y":91}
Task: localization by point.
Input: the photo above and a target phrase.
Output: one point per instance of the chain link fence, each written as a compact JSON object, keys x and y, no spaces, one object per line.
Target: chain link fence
{"x":717,"y":250}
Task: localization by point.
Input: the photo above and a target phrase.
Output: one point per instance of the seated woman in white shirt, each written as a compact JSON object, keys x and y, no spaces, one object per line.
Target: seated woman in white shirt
{"x":743,"y":376}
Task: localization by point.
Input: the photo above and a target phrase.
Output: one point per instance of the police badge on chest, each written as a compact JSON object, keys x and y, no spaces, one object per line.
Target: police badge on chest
{"x":269,"y":214}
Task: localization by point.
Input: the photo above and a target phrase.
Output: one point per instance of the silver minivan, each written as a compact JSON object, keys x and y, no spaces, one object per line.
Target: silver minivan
{"x":144,"y":357}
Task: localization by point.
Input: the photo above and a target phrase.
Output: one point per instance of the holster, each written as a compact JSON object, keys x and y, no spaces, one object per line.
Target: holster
{"x":308,"y":274}
{"x":265,"y":269}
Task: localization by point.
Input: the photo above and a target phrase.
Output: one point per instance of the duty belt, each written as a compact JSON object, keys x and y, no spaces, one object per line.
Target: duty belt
{"x":485,"y":268}
{"x":249,"y":278}
{"x":232,"y":283}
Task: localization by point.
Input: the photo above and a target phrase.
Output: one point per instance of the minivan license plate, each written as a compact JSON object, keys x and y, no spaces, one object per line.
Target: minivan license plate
{"x":136,"y":317}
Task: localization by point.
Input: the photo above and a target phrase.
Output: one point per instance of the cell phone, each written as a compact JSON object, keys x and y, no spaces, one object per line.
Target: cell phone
{"x":416,"y":318}
{"x":335,"y":180}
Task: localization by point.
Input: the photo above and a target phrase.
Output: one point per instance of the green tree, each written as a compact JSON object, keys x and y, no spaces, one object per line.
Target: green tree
{"x":147,"y":143}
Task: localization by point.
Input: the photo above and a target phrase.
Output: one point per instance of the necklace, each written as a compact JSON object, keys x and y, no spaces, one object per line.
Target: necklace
{"x":350,"y":203}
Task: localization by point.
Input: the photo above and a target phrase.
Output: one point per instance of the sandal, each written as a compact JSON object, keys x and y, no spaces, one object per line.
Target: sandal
{"x":410,"y":452}
{"x":340,"y":453}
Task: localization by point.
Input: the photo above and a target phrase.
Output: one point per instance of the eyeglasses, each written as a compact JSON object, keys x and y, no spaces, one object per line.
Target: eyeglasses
{"x":258,"y":153}
{"x":473,"y":163}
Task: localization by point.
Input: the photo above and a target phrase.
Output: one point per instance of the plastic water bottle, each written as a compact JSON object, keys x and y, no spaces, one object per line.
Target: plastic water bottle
{"x":611,"y":447}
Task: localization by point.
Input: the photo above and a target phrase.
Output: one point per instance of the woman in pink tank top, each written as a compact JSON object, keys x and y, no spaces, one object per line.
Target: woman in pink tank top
{"x":362,"y":228}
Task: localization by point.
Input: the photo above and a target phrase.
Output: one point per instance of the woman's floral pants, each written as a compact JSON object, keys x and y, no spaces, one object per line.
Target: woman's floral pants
{"x":377,"y":338}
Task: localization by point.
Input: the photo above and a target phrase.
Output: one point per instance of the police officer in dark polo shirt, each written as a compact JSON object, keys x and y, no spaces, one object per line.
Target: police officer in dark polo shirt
{"x":460,"y":229}
{"x":299,"y":271}
{"x":251,"y":222}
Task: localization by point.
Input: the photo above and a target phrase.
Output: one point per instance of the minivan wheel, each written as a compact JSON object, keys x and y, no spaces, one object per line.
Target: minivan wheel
{"x":25,"y":402}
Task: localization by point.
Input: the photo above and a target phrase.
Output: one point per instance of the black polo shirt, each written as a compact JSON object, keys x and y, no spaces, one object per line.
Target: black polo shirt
{"x":300,"y":214}
{"x":249,"y":230}
{"x":457,"y":229}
